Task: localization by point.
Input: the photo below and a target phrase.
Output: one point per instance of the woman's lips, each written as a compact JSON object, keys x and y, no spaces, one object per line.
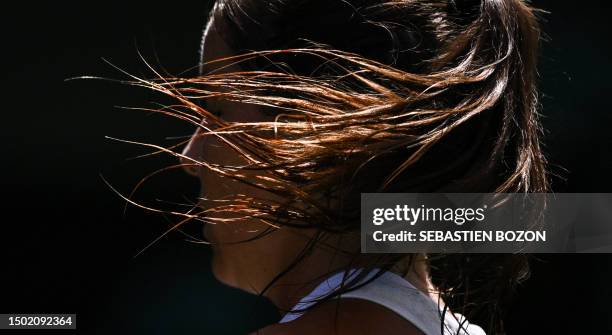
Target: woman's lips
{"x":209,"y":236}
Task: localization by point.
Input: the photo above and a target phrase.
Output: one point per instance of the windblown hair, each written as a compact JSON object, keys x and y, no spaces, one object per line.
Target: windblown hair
{"x":376,"y":96}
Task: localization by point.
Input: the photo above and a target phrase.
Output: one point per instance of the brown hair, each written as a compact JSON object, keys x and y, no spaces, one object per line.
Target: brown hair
{"x":376,"y":96}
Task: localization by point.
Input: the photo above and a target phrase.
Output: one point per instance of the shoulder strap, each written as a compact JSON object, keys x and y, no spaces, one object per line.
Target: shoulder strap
{"x":398,"y":295}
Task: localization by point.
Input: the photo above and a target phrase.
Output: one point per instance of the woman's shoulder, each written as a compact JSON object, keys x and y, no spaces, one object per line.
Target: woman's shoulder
{"x":345,"y":316}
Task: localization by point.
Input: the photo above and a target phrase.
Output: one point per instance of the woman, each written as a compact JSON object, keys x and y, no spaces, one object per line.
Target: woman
{"x":301,"y":106}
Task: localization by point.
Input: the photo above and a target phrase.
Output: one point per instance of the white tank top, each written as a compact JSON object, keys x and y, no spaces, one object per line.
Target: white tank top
{"x":397,"y":294}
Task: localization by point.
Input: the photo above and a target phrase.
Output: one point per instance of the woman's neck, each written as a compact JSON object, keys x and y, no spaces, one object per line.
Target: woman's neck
{"x":306,"y":276}
{"x":322,"y":262}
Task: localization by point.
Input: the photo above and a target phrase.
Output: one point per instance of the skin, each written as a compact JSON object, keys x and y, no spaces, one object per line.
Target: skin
{"x":252,"y":265}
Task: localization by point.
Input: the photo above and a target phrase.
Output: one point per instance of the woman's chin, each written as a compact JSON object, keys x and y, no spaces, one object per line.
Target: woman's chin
{"x":224,"y":274}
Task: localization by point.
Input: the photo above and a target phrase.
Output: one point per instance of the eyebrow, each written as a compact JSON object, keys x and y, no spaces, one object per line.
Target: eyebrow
{"x":204,"y":103}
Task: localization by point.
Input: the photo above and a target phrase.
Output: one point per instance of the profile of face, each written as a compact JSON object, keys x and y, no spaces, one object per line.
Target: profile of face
{"x":240,"y":258}
{"x":368,"y":127}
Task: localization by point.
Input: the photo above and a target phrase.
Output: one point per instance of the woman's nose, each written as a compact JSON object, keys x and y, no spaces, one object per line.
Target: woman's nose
{"x":191,"y":153}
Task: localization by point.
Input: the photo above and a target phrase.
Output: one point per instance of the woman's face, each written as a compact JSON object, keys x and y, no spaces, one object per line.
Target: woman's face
{"x":249,"y":265}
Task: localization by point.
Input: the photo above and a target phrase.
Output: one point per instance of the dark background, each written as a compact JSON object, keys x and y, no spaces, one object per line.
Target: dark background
{"x":68,"y":248}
